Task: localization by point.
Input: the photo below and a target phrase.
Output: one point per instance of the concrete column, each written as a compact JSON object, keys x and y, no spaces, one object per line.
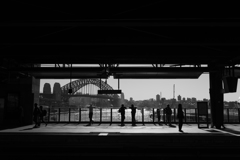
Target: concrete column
{"x":216,"y":98}
{"x":19,"y":92}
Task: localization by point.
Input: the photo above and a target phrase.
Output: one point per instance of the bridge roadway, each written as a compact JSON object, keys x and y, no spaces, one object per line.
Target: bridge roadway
{"x":71,"y":141}
{"x":91,"y":96}
{"x":84,"y":95}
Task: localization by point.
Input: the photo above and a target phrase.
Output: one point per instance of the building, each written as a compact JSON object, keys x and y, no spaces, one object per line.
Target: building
{"x":179,"y":98}
{"x":158,"y":98}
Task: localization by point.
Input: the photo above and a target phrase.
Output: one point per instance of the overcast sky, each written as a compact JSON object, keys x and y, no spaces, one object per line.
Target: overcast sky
{"x":142,"y":89}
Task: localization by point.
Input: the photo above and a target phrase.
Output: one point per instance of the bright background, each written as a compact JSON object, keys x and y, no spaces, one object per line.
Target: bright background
{"x":142,"y":89}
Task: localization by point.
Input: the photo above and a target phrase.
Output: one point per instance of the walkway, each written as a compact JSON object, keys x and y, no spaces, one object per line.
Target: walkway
{"x":115,"y":129}
{"x":65,"y":141}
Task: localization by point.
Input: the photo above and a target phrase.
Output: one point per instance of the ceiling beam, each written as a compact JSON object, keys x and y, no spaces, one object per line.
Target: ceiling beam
{"x":127,"y":23}
{"x":113,"y":70}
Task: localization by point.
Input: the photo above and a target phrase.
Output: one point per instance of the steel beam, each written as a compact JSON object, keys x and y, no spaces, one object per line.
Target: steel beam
{"x":127,"y":23}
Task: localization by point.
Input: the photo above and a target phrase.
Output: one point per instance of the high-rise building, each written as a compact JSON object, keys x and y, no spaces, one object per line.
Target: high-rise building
{"x":47,"y":88}
{"x":57,"y":91}
{"x":158,"y":98}
{"x":122,"y":96}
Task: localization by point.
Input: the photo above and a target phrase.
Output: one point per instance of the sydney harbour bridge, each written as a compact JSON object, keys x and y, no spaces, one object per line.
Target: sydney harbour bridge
{"x":86,"y":89}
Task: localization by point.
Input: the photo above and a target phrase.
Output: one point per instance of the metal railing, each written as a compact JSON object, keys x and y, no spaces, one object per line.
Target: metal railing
{"x":105,"y":115}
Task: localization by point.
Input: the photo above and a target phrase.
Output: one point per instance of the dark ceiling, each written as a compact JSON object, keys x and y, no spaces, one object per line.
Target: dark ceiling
{"x":119,"y":32}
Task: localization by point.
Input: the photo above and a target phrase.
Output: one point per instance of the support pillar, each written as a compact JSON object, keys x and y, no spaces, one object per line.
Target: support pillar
{"x":22,"y":92}
{"x":216,"y":98}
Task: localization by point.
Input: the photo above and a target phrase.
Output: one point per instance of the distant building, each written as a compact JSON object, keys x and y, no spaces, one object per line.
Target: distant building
{"x":122,"y":96}
{"x":184,"y":99}
{"x":179,"y":98}
{"x":189,"y":100}
{"x":47,"y":88}
{"x":57,"y":91}
{"x":205,"y":100}
{"x":131,"y":99}
{"x":194,"y":99}
{"x":158,"y":98}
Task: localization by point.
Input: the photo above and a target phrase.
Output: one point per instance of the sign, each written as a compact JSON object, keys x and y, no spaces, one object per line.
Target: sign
{"x":109,"y":91}
{"x":202,"y":114}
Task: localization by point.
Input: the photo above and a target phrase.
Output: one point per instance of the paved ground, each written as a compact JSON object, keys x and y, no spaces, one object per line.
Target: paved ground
{"x":115,"y":129}
{"x":75,"y":141}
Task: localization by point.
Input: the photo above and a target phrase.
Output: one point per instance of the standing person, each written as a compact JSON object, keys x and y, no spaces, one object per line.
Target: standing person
{"x":122,"y":111}
{"x":158,"y":115}
{"x":169,"y":114}
{"x":36,"y":114}
{"x":90,"y":114}
{"x":133,"y":112}
{"x":180,"y":116}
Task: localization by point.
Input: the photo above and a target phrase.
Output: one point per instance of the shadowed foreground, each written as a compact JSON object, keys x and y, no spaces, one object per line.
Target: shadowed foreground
{"x":43,"y":143}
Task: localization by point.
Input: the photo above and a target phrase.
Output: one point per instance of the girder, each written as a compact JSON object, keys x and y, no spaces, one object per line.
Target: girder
{"x":78,"y":84}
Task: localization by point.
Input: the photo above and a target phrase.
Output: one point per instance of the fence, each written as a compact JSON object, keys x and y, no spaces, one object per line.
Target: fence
{"x":104,"y":115}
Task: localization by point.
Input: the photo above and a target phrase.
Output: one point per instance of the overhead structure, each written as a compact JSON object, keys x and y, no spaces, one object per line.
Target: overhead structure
{"x":156,"y":32}
{"x":178,"y":39}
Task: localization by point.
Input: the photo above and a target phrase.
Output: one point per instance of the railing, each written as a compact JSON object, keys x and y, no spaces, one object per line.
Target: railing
{"x":104,"y":115}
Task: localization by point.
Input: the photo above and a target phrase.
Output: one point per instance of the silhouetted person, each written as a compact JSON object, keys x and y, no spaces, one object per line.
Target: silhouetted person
{"x":168,"y":114}
{"x":42,"y":115}
{"x":36,"y":115}
{"x":90,"y":114}
{"x":122,"y":111}
{"x":158,"y":115}
{"x":133,"y":112}
{"x":180,"y":116}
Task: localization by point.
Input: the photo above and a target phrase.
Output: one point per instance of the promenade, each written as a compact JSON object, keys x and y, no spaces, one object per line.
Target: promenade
{"x":67,"y":140}
{"x":115,"y":129}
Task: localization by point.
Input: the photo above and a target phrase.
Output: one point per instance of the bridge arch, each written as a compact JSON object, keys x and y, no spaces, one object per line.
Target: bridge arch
{"x":78,"y":84}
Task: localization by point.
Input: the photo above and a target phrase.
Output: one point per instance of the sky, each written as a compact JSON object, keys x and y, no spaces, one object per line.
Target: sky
{"x":143,"y":89}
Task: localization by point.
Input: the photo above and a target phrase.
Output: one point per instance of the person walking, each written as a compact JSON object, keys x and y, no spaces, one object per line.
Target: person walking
{"x":158,"y":115}
{"x":36,"y":115}
{"x":169,"y":114}
{"x":133,"y":112}
{"x":180,"y":116}
{"x":90,"y":114}
{"x":122,"y":112}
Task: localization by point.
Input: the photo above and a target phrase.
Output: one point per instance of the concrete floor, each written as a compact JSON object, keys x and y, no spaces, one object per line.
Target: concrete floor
{"x":65,"y":141}
{"x":115,"y":129}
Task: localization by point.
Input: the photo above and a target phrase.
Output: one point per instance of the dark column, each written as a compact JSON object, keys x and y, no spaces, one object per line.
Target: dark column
{"x":216,"y":98}
{"x":19,"y":92}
